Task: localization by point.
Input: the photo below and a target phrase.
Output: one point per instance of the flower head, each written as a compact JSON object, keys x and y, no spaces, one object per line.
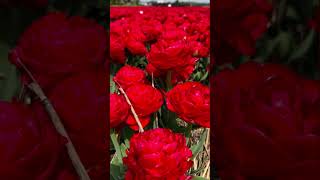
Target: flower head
{"x":129,"y":75}
{"x":119,"y":110}
{"x":157,"y":154}
{"x":267,"y":123}
{"x":55,"y":46}
{"x":27,"y":142}
{"x":191,"y":102}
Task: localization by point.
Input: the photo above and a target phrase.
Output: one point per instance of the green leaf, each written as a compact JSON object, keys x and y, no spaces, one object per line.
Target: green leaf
{"x":117,"y":172}
{"x":117,"y":168}
{"x":292,"y":13}
{"x":197,"y":76}
{"x":198,"y":178}
{"x":282,"y":44}
{"x":127,"y":143}
{"x":187,"y":133}
{"x":198,"y":147}
{"x":285,"y":42}
{"x":123,"y":149}
{"x":169,"y":120}
{"x":116,"y":146}
{"x":9,"y":81}
{"x":270,"y":46}
{"x":197,"y":170}
{"x":127,"y":133}
{"x":113,"y":86}
{"x":304,"y":46}
{"x":205,"y":76}
{"x":115,"y":160}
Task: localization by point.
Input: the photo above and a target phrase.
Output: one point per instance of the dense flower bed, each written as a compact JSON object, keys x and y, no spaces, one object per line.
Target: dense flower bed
{"x":159,"y":90}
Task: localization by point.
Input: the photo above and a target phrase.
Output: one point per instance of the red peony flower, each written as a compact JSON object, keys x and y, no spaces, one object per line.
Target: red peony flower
{"x":175,"y":57}
{"x":199,"y":50}
{"x":100,"y":171}
{"x":153,"y":71}
{"x":132,"y":123}
{"x":173,"y":34}
{"x":145,"y":99}
{"x":56,"y":46}
{"x":129,"y":75}
{"x":170,"y":56}
{"x":238,"y":24}
{"x":136,"y":47}
{"x":119,"y":110}
{"x":130,"y":35}
{"x":81,"y":103}
{"x":152,"y":29}
{"x":117,"y":51}
{"x":65,"y":174}
{"x":157,"y":154}
{"x":266,"y":123}
{"x":191,"y":102}
{"x":182,"y":74}
{"x":29,"y":147}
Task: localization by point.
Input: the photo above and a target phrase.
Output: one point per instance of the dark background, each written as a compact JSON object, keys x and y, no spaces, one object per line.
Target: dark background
{"x":17,"y":15}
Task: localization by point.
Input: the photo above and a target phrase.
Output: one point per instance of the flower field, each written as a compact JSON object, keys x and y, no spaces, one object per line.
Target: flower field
{"x":159,"y":92}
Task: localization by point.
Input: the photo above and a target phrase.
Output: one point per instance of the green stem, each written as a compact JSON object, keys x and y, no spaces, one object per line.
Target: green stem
{"x":188,"y":133}
{"x":156,"y":120}
{"x":116,"y":145}
{"x":168,"y":81}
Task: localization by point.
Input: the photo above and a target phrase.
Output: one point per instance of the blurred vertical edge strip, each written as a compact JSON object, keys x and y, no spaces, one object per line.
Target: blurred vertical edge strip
{"x":107,"y":66}
{"x":212,"y":123}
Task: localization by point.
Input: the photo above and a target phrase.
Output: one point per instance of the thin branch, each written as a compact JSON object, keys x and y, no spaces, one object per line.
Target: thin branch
{"x":131,"y":107}
{"x":207,"y":145}
{"x":22,"y":92}
{"x":75,"y":159}
{"x":152,"y":80}
{"x":206,"y":169}
{"x":195,"y":164}
{"x":156,"y":120}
